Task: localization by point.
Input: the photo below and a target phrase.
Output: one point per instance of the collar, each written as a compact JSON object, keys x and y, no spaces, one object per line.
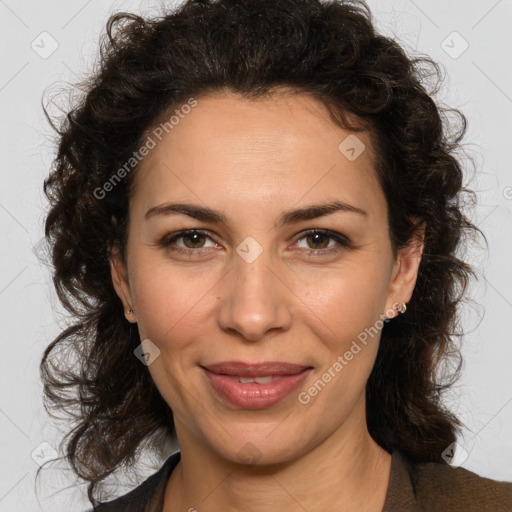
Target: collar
{"x":401,"y":496}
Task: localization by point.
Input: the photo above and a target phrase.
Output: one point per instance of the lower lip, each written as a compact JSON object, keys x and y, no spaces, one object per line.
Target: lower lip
{"x":254,"y":395}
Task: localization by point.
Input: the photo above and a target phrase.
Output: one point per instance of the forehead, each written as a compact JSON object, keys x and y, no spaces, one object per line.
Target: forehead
{"x":265,"y":150}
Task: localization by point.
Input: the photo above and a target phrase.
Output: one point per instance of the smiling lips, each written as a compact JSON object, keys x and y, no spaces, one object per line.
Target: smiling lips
{"x":255,"y":385}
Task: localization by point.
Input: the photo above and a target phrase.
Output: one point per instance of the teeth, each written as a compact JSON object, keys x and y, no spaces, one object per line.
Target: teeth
{"x":259,"y":380}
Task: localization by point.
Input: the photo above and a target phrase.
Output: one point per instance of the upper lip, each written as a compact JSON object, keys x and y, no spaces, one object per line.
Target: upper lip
{"x":241,"y":369}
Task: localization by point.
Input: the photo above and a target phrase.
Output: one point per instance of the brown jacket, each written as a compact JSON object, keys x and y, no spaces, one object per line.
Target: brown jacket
{"x":412,"y":487}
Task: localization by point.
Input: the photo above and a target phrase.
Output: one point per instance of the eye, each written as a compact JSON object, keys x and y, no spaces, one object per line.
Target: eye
{"x":322,"y":238}
{"x":193,"y":242}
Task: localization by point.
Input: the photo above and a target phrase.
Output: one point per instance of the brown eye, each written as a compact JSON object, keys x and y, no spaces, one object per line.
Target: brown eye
{"x":323,"y":242}
{"x":320,"y":240}
{"x":192,"y":242}
{"x":196,"y":240}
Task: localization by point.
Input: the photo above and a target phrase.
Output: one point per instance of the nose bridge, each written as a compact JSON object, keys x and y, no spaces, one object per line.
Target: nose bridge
{"x":253,"y":299}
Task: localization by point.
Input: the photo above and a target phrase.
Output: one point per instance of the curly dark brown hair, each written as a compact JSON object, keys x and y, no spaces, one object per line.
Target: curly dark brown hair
{"x":147,"y":68}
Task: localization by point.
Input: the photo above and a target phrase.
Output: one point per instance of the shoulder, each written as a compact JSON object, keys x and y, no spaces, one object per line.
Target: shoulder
{"x":443,"y":487}
{"x":149,"y":491}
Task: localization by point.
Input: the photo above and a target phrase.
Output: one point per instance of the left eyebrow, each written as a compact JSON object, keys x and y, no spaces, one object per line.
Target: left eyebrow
{"x":288,"y":217}
{"x":317,"y":210}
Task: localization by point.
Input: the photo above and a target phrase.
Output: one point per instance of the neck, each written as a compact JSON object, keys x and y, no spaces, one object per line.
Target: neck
{"x":352,"y":475}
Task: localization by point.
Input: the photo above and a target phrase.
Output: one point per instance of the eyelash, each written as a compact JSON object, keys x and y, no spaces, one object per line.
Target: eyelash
{"x":343,"y":242}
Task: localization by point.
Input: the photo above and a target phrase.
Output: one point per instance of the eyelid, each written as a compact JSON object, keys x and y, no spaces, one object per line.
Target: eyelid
{"x":327,"y":232}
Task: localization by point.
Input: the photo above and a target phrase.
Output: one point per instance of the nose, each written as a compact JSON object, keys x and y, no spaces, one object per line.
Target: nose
{"x":255,"y":299}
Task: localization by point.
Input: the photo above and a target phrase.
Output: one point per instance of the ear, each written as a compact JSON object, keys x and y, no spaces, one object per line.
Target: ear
{"x":121,"y":283}
{"x":405,"y":270}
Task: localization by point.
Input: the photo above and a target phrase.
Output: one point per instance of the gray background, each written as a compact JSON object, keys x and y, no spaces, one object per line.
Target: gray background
{"x":479,"y":81}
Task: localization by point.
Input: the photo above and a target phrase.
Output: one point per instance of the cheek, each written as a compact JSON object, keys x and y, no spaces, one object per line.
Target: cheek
{"x":171,"y":307}
{"x":169,"y":300}
{"x":345,"y":302}
{"x":343,"y":315}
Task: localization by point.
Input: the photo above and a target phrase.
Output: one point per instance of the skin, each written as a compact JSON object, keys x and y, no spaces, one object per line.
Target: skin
{"x":252,"y":160}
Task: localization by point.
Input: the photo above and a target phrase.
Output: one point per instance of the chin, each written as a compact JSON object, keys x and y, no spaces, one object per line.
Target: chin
{"x":258,"y":447}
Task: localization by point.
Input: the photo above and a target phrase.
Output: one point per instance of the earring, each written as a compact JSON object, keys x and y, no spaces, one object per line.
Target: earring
{"x":129,"y":312}
{"x":401,"y":307}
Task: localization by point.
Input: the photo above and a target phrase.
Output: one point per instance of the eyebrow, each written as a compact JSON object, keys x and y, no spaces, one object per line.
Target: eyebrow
{"x":288,"y":217}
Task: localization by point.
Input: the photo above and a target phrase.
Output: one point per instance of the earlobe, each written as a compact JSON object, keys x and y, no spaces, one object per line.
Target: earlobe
{"x":120,"y":282}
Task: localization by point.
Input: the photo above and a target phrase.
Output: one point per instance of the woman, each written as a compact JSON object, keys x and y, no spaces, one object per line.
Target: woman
{"x":255,"y":213}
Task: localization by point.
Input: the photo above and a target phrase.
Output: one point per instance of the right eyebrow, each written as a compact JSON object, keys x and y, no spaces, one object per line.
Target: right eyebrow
{"x":192,"y":210}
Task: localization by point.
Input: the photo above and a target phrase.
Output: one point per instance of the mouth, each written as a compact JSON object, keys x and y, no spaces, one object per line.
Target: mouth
{"x":254,"y":385}
{"x":255,"y":370}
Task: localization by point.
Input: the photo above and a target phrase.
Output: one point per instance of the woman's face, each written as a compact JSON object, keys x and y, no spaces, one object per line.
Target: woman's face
{"x":254,"y":285}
